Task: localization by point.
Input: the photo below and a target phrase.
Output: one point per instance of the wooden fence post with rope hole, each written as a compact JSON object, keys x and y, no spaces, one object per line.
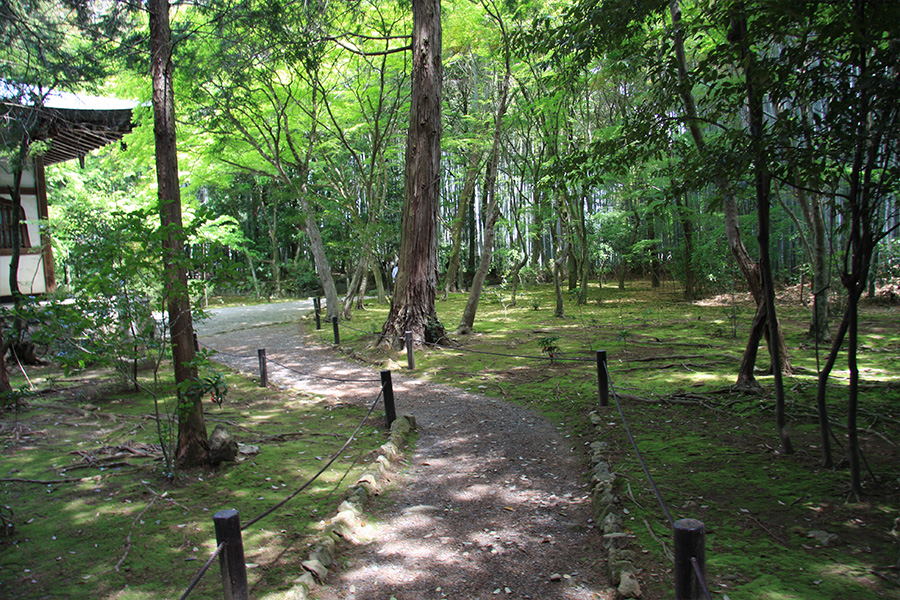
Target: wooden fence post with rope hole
{"x":689,"y":546}
{"x":231,"y":560}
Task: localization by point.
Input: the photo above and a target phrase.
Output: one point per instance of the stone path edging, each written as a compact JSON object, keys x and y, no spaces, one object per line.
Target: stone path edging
{"x":346,"y":521}
{"x":609,"y":515}
{"x":340,"y":528}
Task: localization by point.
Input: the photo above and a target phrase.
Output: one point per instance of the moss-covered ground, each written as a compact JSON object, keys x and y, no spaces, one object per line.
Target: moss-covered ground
{"x":95,"y":517}
{"x":713,"y":453}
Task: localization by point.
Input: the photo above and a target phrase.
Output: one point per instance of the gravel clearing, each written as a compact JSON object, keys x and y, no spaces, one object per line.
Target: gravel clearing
{"x":491,"y":501}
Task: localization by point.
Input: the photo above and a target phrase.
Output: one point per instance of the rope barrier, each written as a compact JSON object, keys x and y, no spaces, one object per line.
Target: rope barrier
{"x":640,"y":457}
{"x":322,"y":470}
{"x":550,"y":358}
{"x":290,"y":369}
{"x":345,"y":326}
{"x":698,"y":572}
{"x":222,"y":352}
{"x":285,"y":367}
{"x":202,"y":571}
{"x":701,"y":579}
{"x":199,"y":575}
{"x":697,"y":568}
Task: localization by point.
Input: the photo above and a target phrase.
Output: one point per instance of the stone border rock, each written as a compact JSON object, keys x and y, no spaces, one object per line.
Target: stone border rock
{"x":609,"y":516}
{"x":343,"y":525}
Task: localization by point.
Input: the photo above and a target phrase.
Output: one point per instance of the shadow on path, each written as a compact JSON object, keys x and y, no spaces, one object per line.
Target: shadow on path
{"x":492,"y":503}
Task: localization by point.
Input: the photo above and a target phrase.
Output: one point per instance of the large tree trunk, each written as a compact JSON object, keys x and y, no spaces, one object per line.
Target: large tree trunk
{"x":412,"y":306}
{"x":193,"y":448}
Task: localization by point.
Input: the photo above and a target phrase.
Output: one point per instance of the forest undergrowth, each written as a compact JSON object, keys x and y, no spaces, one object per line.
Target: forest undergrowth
{"x":779,"y":526}
{"x":92,"y":515}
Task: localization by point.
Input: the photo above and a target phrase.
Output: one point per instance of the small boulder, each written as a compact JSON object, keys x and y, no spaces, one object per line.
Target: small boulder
{"x":629,"y":586}
{"x":222,"y":446}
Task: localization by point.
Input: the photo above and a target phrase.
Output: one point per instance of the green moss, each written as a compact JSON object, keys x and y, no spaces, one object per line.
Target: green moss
{"x":714,"y":455}
{"x":71,"y":535}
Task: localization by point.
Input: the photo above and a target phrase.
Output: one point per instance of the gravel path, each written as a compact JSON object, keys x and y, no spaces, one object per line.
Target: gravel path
{"x":491,"y":503}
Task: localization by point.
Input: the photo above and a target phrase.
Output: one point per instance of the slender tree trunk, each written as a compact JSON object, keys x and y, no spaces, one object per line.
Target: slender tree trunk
{"x":472,"y":244}
{"x":493,"y":211}
{"x":16,"y":227}
{"x":193,"y":448}
{"x":5,"y":385}
{"x":853,"y":392}
{"x":687,"y":226}
{"x":581,"y":262}
{"x":558,"y":265}
{"x":572,"y":271}
{"x":516,"y":278}
{"x":276,"y":262}
{"x":320,"y":259}
{"x":353,"y":287}
{"x":363,"y":285}
{"x":379,"y":281}
{"x":466,"y":198}
{"x":763,"y":183}
{"x":654,"y":253}
{"x":412,"y":306}
{"x":818,"y":259}
{"x":253,"y":277}
{"x":815,"y":245}
{"x":747,"y":265}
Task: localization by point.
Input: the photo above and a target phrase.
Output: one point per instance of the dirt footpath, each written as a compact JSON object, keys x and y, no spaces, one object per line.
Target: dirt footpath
{"x":490,"y":503}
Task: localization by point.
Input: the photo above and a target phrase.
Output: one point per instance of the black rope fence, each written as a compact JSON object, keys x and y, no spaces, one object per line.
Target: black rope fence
{"x":303,"y":374}
{"x":202,"y":571}
{"x":689,"y":534}
{"x":324,"y":468}
{"x":227,"y":522}
{"x":522,"y":356}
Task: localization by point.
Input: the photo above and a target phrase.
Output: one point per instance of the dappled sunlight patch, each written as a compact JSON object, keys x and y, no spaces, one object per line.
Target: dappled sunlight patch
{"x":170,"y":523}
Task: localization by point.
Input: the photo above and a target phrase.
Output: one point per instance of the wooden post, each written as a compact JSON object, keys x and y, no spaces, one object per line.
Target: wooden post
{"x":602,"y":378}
{"x":390,"y":412}
{"x":263,"y":368}
{"x":410,"y":354}
{"x":337,"y":334}
{"x":690,"y":543}
{"x":317,"y":308}
{"x":231,"y":559}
